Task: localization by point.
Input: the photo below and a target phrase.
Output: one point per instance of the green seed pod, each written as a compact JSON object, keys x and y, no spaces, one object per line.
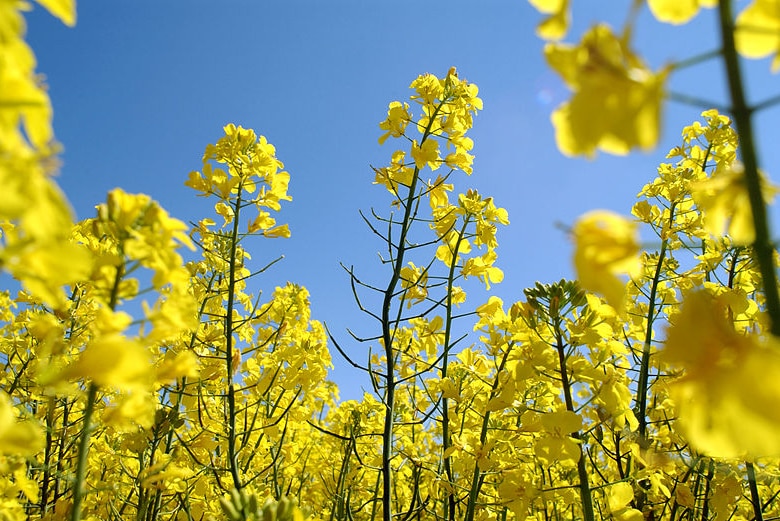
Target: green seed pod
{"x":269,"y":512}
{"x":252,"y":504}
{"x":229,"y":510}
{"x":237,"y":500}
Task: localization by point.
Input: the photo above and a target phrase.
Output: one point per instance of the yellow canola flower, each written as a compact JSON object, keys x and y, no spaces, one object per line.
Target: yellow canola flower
{"x":45,"y":267}
{"x":398,"y":118}
{"x":723,"y":409}
{"x":110,"y":359}
{"x":17,"y":437}
{"x":677,"y":12}
{"x":23,"y":101}
{"x":280,"y":231}
{"x":605,"y":246}
{"x":482,"y":267}
{"x":426,"y":154}
{"x":177,"y":365}
{"x":616,"y":105}
{"x":757,"y":32}
{"x":556,"y":445}
{"x":414,"y":281}
{"x":725,"y":204}
{"x":619,"y":496}
{"x":517,"y":491}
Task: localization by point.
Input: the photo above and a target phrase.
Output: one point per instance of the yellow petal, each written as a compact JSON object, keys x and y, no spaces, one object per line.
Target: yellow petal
{"x":65,"y":10}
{"x":177,"y":366}
{"x":46,"y":267}
{"x":673,"y":11}
{"x":619,"y":495}
{"x":758,"y":29}
{"x":17,"y":437}
{"x":606,"y":245}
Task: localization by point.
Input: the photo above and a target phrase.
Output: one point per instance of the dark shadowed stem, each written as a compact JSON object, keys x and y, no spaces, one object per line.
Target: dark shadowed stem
{"x":755,"y":499}
{"x":742,"y":113}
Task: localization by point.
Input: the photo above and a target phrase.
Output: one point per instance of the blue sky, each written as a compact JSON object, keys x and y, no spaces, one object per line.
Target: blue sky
{"x":139,"y":88}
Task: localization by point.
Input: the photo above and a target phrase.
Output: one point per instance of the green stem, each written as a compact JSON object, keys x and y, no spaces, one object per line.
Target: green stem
{"x":80,"y":485}
{"x":476,"y":482}
{"x":231,"y":392}
{"x":449,"y":503}
{"x":582,"y":472}
{"x":764,"y":252}
{"x":644,"y":369}
{"x":695,"y":60}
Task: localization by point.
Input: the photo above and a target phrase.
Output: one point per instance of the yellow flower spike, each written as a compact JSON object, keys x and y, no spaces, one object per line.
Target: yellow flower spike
{"x":725,"y":204}
{"x":723,"y":410}
{"x":616,"y":105}
{"x":605,"y":246}
{"x":677,"y":12}
{"x":758,"y":31}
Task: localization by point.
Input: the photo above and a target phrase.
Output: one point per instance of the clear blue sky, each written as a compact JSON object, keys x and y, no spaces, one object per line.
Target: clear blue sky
{"x":140,"y":87}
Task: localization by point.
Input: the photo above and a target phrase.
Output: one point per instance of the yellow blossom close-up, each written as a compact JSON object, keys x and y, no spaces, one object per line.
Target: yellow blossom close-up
{"x":605,"y":247}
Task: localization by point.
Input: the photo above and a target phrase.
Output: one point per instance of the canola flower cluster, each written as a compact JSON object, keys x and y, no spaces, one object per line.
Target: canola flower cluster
{"x":646,"y":389}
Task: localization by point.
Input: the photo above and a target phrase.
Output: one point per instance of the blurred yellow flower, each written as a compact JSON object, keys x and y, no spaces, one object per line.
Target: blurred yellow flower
{"x":724,"y":409}
{"x":619,"y":497}
{"x":757,"y":32}
{"x":555,"y":26}
{"x":725,"y":205}
{"x":677,"y":12}
{"x":616,"y":104}
{"x":605,"y":246}
{"x":17,"y":437}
